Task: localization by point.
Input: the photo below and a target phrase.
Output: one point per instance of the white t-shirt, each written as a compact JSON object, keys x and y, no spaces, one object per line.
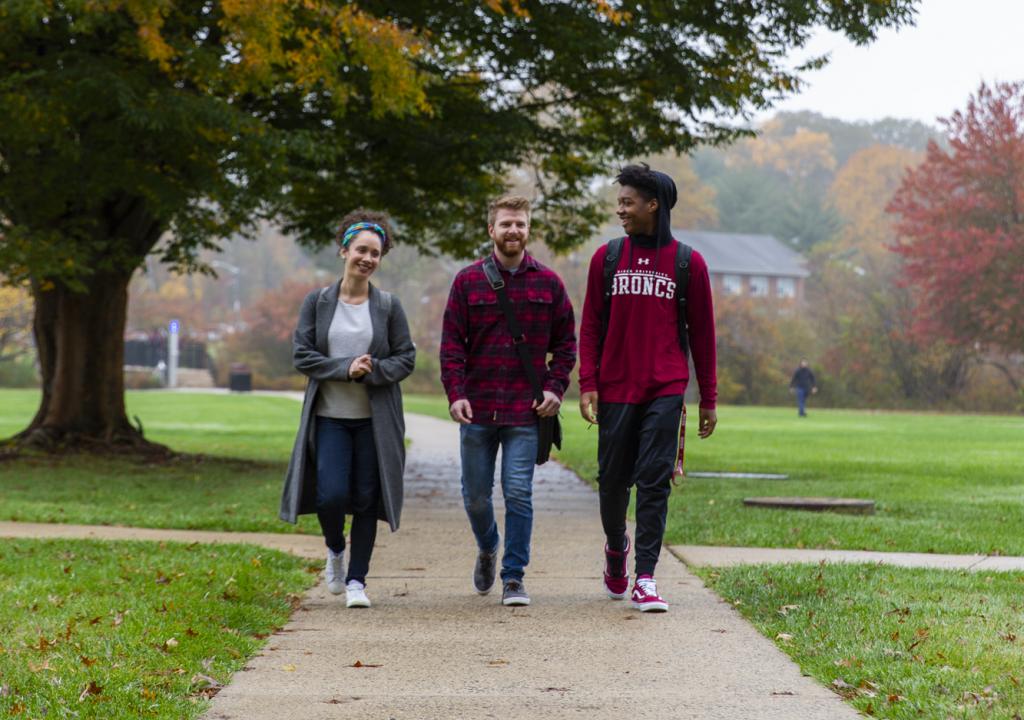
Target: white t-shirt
{"x":350,"y":335}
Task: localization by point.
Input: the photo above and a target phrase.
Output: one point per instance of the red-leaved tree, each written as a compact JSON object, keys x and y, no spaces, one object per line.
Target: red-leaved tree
{"x":961,"y":225}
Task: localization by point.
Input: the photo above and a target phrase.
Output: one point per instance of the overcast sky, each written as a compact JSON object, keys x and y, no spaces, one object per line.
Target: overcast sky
{"x":921,"y":72}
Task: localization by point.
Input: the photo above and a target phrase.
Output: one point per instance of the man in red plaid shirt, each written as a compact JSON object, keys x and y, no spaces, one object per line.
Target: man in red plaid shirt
{"x":490,"y":395}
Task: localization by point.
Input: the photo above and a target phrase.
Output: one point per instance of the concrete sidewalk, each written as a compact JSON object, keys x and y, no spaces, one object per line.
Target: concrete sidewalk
{"x":431,"y":648}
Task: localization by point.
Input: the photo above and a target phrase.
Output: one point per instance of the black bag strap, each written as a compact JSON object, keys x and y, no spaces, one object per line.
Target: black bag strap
{"x":683,"y":253}
{"x":518,"y":338}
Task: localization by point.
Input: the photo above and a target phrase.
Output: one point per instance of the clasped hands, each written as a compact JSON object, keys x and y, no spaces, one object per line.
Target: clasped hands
{"x":362,"y":365}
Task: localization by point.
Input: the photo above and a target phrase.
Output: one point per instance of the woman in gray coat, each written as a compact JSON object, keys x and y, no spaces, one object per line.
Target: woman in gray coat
{"x":352,"y":342}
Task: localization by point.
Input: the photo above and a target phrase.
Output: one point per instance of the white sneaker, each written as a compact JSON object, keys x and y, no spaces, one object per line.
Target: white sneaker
{"x":355,"y":594}
{"x":334,"y":571}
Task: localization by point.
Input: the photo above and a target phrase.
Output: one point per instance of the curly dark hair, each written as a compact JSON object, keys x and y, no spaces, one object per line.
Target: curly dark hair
{"x":372,"y":216}
{"x":640,"y":178}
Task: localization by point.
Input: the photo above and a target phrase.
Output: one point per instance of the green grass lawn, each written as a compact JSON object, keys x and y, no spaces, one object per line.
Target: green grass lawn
{"x":941,"y":483}
{"x":244,"y":440}
{"x":93,"y":629}
{"x":253,"y":427}
{"x":895,"y":642}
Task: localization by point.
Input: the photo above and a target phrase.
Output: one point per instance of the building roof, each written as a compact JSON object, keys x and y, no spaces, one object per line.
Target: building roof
{"x":744,"y":254}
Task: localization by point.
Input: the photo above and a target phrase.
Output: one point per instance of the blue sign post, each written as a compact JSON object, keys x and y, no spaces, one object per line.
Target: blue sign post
{"x":172,"y":353}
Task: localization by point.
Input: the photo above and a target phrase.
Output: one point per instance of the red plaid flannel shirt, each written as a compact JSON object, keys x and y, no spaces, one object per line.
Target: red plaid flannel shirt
{"x":479,"y":363}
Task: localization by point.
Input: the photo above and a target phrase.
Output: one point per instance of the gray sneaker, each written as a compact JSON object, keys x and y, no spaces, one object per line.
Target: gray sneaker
{"x":483,"y":572}
{"x":514,"y":593}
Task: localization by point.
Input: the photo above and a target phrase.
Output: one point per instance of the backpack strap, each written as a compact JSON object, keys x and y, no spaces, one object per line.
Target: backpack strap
{"x":683,"y":253}
{"x":611,"y":264}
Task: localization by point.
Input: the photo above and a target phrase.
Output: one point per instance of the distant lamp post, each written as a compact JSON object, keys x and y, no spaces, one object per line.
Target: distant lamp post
{"x":235,"y":290}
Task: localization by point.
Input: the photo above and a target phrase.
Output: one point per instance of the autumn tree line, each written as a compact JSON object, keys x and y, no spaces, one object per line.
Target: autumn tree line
{"x":840,"y":193}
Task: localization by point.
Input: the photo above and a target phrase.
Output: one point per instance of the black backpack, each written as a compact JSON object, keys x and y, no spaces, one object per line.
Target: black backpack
{"x":682,"y":266}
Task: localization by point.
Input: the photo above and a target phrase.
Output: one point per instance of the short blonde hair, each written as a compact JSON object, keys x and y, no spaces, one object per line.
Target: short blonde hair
{"x":507,"y":202}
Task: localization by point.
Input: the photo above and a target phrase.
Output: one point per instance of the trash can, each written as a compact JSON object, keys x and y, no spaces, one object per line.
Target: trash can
{"x":239,"y":378}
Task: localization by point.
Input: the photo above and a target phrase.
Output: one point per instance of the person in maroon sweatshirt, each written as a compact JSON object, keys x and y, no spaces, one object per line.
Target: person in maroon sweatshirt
{"x":633,"y":375}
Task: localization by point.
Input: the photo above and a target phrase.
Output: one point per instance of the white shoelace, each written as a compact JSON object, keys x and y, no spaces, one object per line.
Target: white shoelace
{"x":648,"y":586}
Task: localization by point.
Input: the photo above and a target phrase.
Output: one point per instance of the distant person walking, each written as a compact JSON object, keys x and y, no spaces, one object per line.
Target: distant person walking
{"x":352,"y":342}
{"x":490,"y":394}
{"x":803,"y":384}
{"x":639,"y":323}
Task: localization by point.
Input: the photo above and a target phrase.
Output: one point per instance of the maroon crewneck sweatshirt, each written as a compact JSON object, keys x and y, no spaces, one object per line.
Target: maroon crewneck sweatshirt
{"x":641,"y":359}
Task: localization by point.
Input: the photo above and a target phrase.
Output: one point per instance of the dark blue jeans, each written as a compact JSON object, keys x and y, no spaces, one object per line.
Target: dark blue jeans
{"x":801,"y":400}
{"x":348,"y":483}
{"x":518,"y":455}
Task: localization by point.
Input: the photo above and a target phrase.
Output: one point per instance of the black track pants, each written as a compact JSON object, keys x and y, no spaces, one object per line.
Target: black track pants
{"x":637,"y":445}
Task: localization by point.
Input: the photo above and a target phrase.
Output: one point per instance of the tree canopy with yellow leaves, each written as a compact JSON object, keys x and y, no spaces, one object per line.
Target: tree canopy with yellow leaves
{"x":133,"y":127}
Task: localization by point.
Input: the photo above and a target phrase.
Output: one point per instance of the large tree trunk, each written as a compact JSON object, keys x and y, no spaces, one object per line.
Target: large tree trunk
{"x":80,"y":340}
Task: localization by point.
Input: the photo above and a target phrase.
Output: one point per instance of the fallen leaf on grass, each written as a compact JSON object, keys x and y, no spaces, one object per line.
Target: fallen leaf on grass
{"x":844,"y":689}
{"x":90,"y":690}
{"x":784,"y":637}
{"x":786,"y":609}
{"x":42,"y":644}
{"x":45,"y":665}
{"x":204,"y":685}
{"x":169,"y":644}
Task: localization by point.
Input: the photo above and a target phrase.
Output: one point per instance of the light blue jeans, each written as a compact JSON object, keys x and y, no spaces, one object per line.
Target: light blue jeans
{"x":518,"y":455}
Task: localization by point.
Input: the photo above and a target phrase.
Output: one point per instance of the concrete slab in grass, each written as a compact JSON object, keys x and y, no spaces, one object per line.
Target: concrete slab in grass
{"x":738,"y":475}
{"x":849,"y":506}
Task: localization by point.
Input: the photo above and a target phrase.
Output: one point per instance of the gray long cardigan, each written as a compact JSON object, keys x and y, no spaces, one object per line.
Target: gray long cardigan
{"x":393,"y":358}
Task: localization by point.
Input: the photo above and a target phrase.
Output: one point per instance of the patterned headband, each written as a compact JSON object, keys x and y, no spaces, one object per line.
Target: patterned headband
{"x":359,"y":227}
